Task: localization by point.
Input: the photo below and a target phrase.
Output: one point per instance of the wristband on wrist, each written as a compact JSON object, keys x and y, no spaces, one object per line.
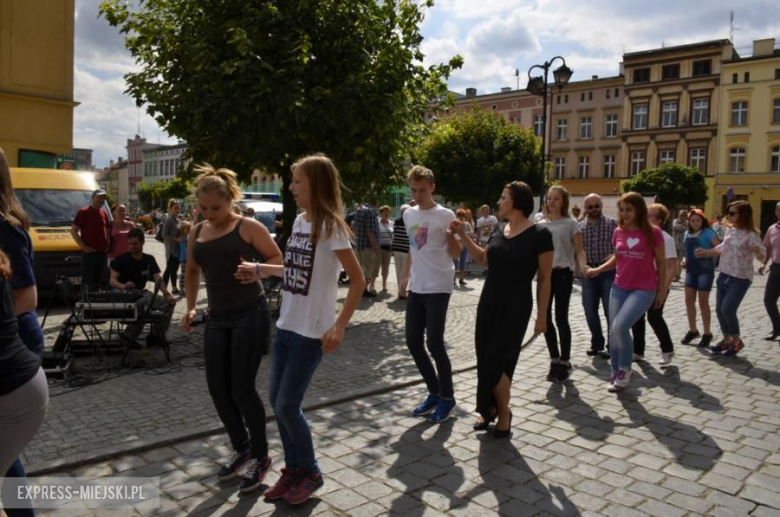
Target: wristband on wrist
{"x":257,"y":270}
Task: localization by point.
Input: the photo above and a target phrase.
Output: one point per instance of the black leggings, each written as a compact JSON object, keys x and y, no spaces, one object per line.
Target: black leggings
{"x":171,"y":270}
{"x":658,"y":324}
{"x":234,"y":343}
{"x":560,"y":293}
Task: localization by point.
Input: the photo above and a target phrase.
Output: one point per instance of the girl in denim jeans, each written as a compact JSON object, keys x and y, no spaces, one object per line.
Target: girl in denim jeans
{"x":316,"y":251}
{"x":737,"y":251}
{"x":640,"y":262}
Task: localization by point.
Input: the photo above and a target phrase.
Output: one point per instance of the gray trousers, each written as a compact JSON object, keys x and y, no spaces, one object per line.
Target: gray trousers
{"x":22,"y":413}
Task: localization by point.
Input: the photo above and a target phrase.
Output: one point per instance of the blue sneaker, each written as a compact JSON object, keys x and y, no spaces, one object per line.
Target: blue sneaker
{"x":427,"y":406}
{"x":443,"y":411}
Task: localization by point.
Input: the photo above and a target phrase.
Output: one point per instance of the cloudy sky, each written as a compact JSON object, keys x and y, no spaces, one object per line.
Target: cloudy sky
{"x":495,"y":37}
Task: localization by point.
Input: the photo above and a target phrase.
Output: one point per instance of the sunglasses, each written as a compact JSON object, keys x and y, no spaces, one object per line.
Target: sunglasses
{"x":589,"y":207}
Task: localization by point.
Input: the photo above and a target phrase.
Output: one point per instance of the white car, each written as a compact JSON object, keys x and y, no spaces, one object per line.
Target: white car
{"x":265,"y":212}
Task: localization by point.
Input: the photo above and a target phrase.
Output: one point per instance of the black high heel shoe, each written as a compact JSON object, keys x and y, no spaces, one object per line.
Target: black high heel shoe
{"x":498,"y":433}
{"x":483,"y":425}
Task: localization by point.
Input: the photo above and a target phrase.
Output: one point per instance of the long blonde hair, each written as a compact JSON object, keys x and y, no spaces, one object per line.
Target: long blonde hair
{"x":566,"y":200}
{"x":223,"y":181}
{"x":10,"y":208}
{"x":325,"y":193}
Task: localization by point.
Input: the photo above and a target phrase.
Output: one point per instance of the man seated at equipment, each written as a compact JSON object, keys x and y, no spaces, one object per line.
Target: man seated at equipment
{"x":132,"y":270}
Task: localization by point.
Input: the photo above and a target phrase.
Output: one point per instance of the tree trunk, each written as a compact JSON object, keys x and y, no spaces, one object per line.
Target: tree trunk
{"x":289,"y":207}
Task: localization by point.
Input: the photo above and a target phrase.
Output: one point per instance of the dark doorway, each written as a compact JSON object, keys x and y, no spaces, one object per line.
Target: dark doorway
{"x":767,"y":215}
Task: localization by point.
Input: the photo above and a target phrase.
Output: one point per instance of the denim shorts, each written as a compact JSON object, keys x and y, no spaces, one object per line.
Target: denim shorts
{"x":700,"y":280}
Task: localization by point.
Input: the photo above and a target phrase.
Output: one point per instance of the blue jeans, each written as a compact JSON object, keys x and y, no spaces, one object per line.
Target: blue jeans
{"x":731,"y":291}
{"x":426,"y":315}
{"x":625,"y":309}
{"x":295,"y":358}
{"x":595,"y":290}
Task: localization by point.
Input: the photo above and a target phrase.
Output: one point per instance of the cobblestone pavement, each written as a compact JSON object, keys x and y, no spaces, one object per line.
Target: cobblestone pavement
{"x":700,"y":437}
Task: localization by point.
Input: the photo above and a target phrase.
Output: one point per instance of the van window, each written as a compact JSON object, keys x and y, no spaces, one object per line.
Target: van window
{"x":52,"y":207}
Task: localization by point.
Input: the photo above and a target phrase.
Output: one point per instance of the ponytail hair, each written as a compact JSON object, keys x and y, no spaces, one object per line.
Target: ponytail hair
{"x":222,"y":181}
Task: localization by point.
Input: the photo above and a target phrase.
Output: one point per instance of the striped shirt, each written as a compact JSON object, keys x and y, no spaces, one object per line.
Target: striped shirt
{"x":597,"y":239}
{"x":400,"y":239}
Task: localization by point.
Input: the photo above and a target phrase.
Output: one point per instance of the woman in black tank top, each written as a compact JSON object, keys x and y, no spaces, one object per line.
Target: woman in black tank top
{"x":238,"y":324}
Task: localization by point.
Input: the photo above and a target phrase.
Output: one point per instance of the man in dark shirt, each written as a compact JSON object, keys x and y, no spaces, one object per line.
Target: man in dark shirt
{"x":91,"y":232}
{"x":132,"y":270}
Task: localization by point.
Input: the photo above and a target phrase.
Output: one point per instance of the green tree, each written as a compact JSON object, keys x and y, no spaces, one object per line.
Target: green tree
{"x":475,"y":153}
{"x":156,"y":195}
{"x":674,"y":185}
{"x":259,"y":83}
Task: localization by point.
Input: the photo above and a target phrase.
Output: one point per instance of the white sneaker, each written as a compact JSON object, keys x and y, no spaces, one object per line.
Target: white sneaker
{"x":611,"y":383}
{"x":621,"y":381}
{"x":666,"y":358}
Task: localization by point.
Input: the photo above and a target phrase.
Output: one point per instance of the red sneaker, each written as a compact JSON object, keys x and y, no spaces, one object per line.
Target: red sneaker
{"x":286,"y":482}
{"x":304,"y":488}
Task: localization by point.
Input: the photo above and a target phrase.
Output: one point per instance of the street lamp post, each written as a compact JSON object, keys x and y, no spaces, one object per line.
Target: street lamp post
{"x":538,"y":86}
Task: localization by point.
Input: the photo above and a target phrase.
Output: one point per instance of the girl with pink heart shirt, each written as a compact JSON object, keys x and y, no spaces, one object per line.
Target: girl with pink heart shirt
{"x":636,"y":259}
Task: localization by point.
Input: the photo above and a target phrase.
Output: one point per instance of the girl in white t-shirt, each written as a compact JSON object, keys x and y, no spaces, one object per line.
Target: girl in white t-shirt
{"x":307,"y":327}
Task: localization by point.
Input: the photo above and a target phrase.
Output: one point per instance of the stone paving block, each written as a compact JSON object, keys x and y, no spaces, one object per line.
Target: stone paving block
{"x":588,"y":502}
{"x":648,"y":461}
{"x":697,"y":505}
{"x":616,"y":465}
{"x":659,"y":508}
{"x":764,"y":481}
{"x":344,"y":499}
{"x":730,"y":471}
{"x":761,"y":496}
{"x":649,"y":490}
{"x":616,"y":510}
{"x":624,"y":497}
{"x":765,"y":511}
{"x":368,"y":510}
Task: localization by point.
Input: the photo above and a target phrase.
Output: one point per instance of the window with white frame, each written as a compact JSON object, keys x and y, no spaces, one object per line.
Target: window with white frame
{"x":560,"y":168}
{"x":698,"y":158}
{"x":609,"y":165}
{"x":583,"y":168}
{"x":669,"y":114}
{"x":739,"y":113}
{"x":611,"y":126}
{"x":666,"y":156}
{"x":776,"y":112}
{"x":562,"y":129}
{"x":701,"y":112}
{"x":637,"y":162}
{"x":586,"y":128}
{"x":774,"y":159}
{"x":737,"y":159}
{"x":640,"y":116}
{"x":538,"y":125}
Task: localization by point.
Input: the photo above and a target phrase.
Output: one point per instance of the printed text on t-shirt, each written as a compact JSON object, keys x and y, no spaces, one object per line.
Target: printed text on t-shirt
{"x":298,"y":263}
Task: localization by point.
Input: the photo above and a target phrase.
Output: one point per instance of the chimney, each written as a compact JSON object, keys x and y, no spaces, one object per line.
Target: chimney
{"x":506,"y":89}
{"x":471,"y":92}
{"x":763,"y":47}
{"x":594,"y":77}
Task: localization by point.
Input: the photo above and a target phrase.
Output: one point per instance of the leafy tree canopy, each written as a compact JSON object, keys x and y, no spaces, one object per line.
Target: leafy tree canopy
{"x":674,"y":185}
{"x":158,"y":194}
{"x":259,"y":83}
{"x":474,"y":153}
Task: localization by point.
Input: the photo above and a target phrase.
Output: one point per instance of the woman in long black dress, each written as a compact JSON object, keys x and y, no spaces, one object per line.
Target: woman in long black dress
{"x":517,"y":250}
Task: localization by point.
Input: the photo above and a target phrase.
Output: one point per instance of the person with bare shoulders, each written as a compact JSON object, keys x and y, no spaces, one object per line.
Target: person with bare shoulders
{"x":238,"y":325}
{"x":517,"y":251}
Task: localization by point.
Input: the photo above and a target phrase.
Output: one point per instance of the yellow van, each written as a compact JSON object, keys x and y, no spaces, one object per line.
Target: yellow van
{"x":51,"y":199}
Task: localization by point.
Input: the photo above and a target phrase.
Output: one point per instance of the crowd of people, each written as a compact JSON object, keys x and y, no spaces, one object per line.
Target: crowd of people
{"x":627,"y":266}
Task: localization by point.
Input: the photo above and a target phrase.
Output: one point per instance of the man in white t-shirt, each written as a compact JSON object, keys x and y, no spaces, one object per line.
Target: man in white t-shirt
{"x":486,"y":225}
{"x":428,"y":279}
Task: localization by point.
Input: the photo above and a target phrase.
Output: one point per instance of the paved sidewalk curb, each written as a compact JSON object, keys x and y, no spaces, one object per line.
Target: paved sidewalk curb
{"x":107,"y":454}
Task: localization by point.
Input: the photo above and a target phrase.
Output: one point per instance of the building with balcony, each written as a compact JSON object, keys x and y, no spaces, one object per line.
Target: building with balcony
{"x":585,"y":138}
{"x":36,"y":81}
{"x":517,"y":106}
{"x":748,"y":157}
{"x":670,"y":108}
